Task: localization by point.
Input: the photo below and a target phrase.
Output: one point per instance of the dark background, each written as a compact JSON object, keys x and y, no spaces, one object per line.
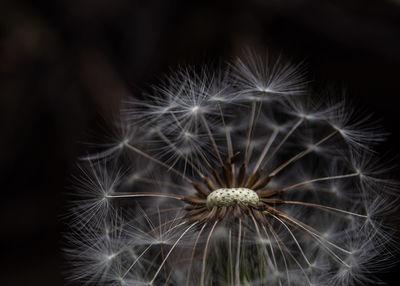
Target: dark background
{"x":65,"y":65}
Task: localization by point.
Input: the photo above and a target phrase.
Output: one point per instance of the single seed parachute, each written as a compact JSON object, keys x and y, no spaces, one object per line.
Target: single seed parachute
{"x":234,"y":177}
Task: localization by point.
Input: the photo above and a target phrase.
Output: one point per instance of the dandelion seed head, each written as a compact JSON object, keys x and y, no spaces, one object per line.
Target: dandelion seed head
{"x":235,"y":177}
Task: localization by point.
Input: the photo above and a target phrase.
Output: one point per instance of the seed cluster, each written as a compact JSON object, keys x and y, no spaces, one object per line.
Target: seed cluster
{"x":234,"y":177}
{"x":228,"y":196}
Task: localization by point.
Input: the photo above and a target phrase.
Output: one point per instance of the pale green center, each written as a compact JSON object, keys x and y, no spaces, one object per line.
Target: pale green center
{"x":228,"y":196}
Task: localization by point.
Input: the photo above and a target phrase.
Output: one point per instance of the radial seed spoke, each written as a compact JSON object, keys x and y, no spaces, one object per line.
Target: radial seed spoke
{"x":211,"y":138}
{"x":151,"y":158}
{"x":283,"y":141}
{"x":237,"y":262}
{"x":323,"y":207}
{"x":266,"y":149}
{"x":302,"y":154}
{"x":193,"y":252}
{"x":169,"y":253}
{"x":135,"y":195}
{"x":203,"y":268}
{"x":319,"y":180}
{"x":294,"y":238}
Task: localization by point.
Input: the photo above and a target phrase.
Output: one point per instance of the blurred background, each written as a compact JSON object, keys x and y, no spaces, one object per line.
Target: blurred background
{"x":65,"y":65}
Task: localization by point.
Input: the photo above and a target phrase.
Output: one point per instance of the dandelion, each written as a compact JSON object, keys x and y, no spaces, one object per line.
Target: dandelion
{"x":234,"y":177}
